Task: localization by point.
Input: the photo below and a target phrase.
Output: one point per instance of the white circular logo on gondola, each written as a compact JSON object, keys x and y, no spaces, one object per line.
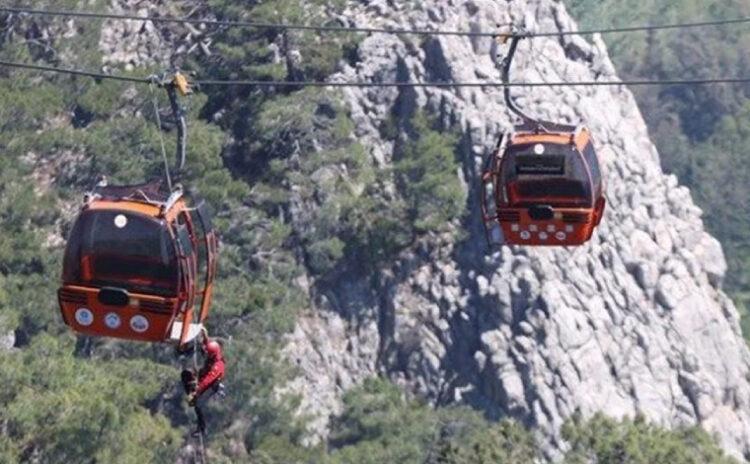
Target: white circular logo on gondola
{"x":539,"y":149}
{"x":525,"y":234}
{"x":139,"y":323}
{"x":561,"y":236}
{"x":121,"y":221}
{"x":543,"y":236}
{"x":112,"y":320}
{"x":84,"y":316}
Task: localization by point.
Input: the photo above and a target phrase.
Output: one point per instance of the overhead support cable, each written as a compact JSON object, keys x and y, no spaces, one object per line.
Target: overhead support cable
{"x":76,"y":72}
{"x":640,"y":28}
{"x":366,"y":30}
{"x":259,"y":83}
{"x":251,"y":83}
{"x":241,"y":24}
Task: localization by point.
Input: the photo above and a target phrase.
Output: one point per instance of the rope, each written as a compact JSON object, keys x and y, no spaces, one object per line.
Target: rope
{"x":365,"y":30}
{"x":196,"y":369}
{"x":161,"y":136}
{"x":257,"y":83}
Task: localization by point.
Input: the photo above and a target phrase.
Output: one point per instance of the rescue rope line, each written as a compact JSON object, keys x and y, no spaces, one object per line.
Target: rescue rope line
{"x":257,"y":83}
{"x":366,"y":30}
{"x":196,"y":369}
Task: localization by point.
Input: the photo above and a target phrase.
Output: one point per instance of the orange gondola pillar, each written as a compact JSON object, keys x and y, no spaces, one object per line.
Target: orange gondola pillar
{"x":542,"y":185}
{"x":134,"y":260}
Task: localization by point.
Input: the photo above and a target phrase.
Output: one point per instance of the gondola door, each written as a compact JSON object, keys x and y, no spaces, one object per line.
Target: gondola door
{"x":489,"y":195}
{"x":187,"y":258}
{"x":210,"y":244}
{"x":492,"y":229}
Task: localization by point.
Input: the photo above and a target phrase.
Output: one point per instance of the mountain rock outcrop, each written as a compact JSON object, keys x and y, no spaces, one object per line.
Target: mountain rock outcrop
{"x":133,"y":44}
{"x":634,"y":322}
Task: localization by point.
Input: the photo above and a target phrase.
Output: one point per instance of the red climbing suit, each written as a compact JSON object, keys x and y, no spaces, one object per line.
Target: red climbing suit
{"x":213,"y":369}
{"x":207,"y":380}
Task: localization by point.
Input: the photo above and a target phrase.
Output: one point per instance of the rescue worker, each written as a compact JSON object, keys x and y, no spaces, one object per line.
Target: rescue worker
{"x":204,"y":384}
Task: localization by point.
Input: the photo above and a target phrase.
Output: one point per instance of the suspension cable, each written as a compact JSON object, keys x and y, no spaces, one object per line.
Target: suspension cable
{"x":641,"y":28}
{"x":259,"y":83}
{"x":75,"y":72}
{"x":242,"y":24}
{"x":366,"y":30}
{"x":255,"y":83}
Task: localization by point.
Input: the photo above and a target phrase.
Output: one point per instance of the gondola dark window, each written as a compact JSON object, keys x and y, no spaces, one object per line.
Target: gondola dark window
{"x":551,"y":178}
{"x":122,"y":250}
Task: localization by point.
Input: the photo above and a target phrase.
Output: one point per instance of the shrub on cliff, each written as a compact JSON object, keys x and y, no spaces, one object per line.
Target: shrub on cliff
{"x":380,"y":424}
{"x":605,"y":440}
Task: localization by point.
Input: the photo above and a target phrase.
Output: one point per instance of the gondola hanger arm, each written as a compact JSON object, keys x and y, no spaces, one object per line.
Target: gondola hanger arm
{"x":176,"y":83}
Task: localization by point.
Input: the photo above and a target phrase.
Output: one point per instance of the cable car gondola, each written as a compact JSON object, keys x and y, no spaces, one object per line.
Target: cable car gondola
{"x":140,"y":262}
{"x":542,"y":186}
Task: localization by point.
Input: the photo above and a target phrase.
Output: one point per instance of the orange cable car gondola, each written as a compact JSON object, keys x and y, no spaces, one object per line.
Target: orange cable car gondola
{"x":542,"y":185}
{"x":135,"y":259}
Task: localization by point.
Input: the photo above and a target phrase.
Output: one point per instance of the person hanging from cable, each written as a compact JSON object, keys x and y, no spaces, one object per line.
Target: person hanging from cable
{"x":204,"y":384}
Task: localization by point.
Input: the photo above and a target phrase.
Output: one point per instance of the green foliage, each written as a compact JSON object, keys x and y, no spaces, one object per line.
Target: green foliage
{"x":26,"y":104}
{"x":722,"y":180}
{"x":380,"y":424}
{"x":470,"y":440}
{"x":9,"y":317}
{"x":31,"y":297}
{"x":22,"y":212}
{"x":313,"y":162}
{"x":378,"y":415}
{"x":684,"y":53}
{"x":428,"y":172}
{"x":602,"y":439}
{"x":71,"y":410}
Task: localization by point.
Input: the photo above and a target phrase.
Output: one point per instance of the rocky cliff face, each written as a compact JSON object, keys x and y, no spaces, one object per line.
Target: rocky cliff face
{"x":634,"y":322}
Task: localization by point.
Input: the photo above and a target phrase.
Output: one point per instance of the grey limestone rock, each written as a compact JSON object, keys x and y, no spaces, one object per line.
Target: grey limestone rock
{"x":134,"y":43}
{"x":634,"y":322}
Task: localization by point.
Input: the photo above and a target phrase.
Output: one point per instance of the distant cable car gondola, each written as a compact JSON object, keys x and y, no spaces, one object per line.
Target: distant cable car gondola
{"x":542,"y":185}
{"x":139,"y":262}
